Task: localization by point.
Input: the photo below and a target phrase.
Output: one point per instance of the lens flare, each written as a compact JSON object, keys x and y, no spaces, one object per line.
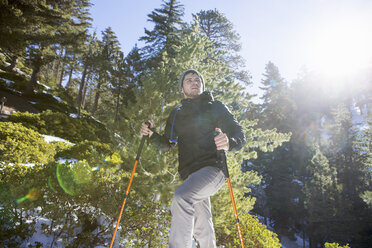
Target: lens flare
{"x":72,"y":176}
{"x":51,"y":185}
{"x":32,"y":195}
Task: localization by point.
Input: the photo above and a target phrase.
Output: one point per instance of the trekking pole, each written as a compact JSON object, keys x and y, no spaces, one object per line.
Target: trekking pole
{"x":221,"y":159}
{"x":130,"y":182}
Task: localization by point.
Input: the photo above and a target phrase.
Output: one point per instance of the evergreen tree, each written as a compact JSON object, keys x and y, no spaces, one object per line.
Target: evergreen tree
{"x":110,"y":51}
{"x":67,"y":26}
{"x":351,"y":163}
{"x":321,"y":192}
{"x":225,"y":40}
{"x":90,"y":61}
{"x":279,"y":189}
{"x":166,"y":32}
{"x":277,"y":107}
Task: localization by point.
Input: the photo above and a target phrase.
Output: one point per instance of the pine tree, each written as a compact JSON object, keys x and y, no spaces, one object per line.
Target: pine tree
{"x":166,"y":32}
{"x":277,"y":106}
{"x":279,"y":189}
{"x":351,"y":162}
{"x":90,"y":57}
{"x":63,"y":23}
{"x":321,"y":192}
{"x":220,"y":31}
{"x":106,"y":64}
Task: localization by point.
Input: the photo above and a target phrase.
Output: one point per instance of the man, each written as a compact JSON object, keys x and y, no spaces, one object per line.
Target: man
{"x":192,"y":125}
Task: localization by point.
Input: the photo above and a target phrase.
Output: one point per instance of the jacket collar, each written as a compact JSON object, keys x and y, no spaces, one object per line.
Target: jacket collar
{"x":206,"y":96}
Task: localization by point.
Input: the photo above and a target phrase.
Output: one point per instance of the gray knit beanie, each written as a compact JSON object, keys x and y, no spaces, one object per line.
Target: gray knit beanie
{"x":180,"y":82}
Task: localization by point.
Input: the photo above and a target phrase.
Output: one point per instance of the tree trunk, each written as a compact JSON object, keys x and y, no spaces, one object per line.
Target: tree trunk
{"x":33,"y":81}
{"x":56,"y":72}
{"x":69,"y":77}
{"x":96,"y":99}
{"x":62,"y":74}
{"x":70,"y":73}
{"x":85,"y":90}
{"x":81,"y":88}
{"x":35,"y":72}
{"x":117,"y":106}
{"x":13,"y":65}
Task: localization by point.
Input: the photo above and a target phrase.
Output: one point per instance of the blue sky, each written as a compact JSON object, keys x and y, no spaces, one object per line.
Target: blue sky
{"x":332,"y":36}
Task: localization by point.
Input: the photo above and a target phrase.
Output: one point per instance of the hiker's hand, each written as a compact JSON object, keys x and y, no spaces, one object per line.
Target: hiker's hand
{"x":221,"y":141}
{"x":145,"y":130}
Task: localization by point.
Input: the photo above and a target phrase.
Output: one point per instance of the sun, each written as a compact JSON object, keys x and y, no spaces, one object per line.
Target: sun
{"x":341,"y":48}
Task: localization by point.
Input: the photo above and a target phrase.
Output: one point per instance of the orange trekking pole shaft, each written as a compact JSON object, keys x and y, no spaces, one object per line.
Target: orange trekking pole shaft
{"x":129,"y":184}
{"x":235,"y":212}
{"x":221,"y":159}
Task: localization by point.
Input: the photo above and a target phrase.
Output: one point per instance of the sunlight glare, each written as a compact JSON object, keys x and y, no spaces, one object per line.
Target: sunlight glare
{"x":341,"y":48}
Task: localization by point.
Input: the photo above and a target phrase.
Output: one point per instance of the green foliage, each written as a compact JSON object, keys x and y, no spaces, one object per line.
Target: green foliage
{"x":93,"y":152}
{"x":64,"y":126}
{"x":29,"y":120}
{"x":367,"y":197}
{"x":20,"y":81}
{"x":20,"y":144}
{"x":255,"y":234}
{"x":45,"y":101}
{"x":335,"y":245}
{"x":20,"y":191}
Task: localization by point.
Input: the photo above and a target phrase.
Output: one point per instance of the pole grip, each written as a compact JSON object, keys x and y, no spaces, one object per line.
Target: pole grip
{"x":142,"y":142}
{"x":221,"y":158}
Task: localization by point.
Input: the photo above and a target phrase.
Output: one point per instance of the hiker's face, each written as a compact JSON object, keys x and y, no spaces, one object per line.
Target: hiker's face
{"x":192,"y":85}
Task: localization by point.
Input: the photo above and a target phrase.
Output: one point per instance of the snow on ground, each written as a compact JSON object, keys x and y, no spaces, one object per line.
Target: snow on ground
{"x":298,"y":182}
{"x":49,"y":139}
{"x":57,"y":98}
{"x":287,"y":243}
{"x":15,"y":91}
{"x":358,"y":115}
{"x":73,"y":115}
{"x":68,"y":160}
{"x":7,"y":81}
{"x":45,"y":86}
{"x":39,"y":235}
{"x":27,"y":164}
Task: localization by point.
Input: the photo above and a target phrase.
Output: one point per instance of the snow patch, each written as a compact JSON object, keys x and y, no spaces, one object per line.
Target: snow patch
{"x":299,"y":242}
{"x":298,"y":182}
{"x":50,"y":139}
{"x":45,"y":86}
{"x":68,"y":160}
{"x":7,"y":81}
{"x":15,"y":91}
{"x":57,"y":98}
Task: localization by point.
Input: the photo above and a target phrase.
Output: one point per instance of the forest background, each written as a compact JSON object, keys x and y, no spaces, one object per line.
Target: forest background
{"x":305,"y":173}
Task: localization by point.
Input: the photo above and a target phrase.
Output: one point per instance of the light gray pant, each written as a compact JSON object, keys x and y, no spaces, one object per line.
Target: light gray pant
{"x":191,"y":209}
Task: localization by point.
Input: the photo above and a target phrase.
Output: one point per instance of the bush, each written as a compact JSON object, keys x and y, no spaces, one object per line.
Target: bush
{"x":335,"y":245}
{"x":18,"y":184}
{"x":92,"y":151}
{"x":20,"y":144}
{"x":20,"y":82}
{"x":29,"y":120}
{"x":46,"y":101}
{"x":64,"y":126}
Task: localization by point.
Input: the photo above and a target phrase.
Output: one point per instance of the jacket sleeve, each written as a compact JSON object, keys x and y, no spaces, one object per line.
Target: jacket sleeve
{"x":162,"y":142}
{"x":231,"y":127}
